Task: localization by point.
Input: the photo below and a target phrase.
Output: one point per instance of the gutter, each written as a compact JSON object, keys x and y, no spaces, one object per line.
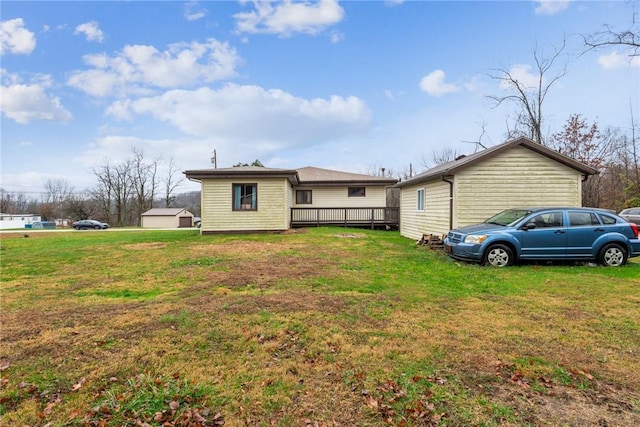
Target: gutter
{"x":444,"y":178}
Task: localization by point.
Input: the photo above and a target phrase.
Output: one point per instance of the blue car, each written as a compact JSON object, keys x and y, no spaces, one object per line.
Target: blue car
{"x":576,"y":234}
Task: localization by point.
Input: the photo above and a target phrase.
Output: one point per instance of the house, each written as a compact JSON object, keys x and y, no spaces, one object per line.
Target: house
{"x":8,"y":221}
{"x":251,"y":198}
{"x":167,"y":218}
{"x":472,"y":188}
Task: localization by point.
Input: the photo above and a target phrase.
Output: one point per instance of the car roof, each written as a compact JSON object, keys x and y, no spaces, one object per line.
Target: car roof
{"x":546,"y":208}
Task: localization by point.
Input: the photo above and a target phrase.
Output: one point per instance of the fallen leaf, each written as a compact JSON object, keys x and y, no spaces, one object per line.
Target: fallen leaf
{"x":78,"y":385}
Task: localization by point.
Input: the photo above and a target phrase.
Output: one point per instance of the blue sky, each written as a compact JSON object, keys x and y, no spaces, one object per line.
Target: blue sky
{"x":351,"y":86}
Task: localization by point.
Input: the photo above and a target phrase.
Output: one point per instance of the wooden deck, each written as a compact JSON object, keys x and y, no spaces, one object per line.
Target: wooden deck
{"x":346,"y":217}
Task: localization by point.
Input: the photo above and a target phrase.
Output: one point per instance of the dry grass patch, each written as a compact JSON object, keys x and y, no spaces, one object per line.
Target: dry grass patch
{"x":304,"y":328}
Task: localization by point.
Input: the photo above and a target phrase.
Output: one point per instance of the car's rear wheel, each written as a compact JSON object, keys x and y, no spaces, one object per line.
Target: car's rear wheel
{"x":498,"y":255}
{"x":75,"y":227}
{"x":612,"y":255}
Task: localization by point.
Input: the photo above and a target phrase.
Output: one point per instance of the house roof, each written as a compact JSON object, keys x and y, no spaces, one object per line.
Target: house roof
{"x":317,"y":176}
{"x":164,"y":212}
{"x":455,"y":166}
{"x":251,"y":172}
{"x":298,"y":177}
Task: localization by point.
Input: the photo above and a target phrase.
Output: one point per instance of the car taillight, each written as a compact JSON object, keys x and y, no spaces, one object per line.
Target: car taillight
{"x":634,"y":228}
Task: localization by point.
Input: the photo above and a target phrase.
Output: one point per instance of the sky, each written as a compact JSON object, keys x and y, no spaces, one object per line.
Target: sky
{"x":352,"y":86}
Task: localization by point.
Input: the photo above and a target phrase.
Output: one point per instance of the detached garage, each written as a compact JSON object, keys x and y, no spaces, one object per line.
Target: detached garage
{"x":167,"y":218}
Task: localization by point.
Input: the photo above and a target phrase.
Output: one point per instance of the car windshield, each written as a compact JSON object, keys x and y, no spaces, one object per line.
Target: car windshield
{"x":508,"y":217}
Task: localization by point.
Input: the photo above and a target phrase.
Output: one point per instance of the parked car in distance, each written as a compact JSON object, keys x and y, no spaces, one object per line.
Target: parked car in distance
{"x":549,"y":233}
{"x":631,"y":215}
{"x":86,"y":224}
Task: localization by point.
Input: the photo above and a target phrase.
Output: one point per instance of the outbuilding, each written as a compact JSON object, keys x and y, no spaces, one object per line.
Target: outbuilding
{"x":472,"y":188}
{"x":167,"y":218}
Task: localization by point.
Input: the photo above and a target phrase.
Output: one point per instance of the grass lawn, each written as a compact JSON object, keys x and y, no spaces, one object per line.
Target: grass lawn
{"x":325,"y":326}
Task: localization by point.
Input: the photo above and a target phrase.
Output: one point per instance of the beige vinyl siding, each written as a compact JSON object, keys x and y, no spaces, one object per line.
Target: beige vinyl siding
{"x":273,"y":209}
{"x":159,"y":221}
{"x":515,"y":178}
{"x":435,"y":217}
{"x":337,"y":197}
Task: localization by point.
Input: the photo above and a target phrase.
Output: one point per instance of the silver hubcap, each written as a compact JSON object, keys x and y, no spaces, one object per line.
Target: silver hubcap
{"x":613,"y":257}
{"x":498,"y":257}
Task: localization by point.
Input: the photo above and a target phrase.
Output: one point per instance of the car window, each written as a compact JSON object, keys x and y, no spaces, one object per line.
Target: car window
{"x":547,"y":219}
{"x":606,"y":219}
{"x":508,"y":217}
{"x":633,"y":212}
{"x":581,"y":219}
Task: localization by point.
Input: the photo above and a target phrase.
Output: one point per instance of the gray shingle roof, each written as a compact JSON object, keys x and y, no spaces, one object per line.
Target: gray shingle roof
{"x":454,"y":166}
{"x":309,"y":175}
{"x":164,"y":212}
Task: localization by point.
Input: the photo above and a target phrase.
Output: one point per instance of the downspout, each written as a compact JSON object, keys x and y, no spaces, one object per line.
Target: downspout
{"x":444,"y":178}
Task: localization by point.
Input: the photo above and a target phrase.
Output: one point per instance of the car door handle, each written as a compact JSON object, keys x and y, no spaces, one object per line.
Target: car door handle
{"x":598,"y":230}
{"x":559,"y":231}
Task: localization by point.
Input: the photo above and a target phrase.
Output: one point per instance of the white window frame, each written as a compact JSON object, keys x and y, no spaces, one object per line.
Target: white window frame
{"x":420,"y":200}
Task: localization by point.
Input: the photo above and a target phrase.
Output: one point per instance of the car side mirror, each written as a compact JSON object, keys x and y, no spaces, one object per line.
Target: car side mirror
{"x":528,"y":226}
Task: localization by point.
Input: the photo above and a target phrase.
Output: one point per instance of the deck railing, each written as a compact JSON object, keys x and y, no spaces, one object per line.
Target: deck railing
{"x":347,"y":217}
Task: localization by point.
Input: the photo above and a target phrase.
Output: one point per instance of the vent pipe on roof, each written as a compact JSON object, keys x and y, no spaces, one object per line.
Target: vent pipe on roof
{"x":214,"y":160}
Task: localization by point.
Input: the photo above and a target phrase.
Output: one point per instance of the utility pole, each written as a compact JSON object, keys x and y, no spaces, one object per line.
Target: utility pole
{"x":214,"y":160}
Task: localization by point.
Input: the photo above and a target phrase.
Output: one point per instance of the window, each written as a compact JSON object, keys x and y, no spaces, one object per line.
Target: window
{"x":578,"y":219}
{"x":356,"y":191}
{"x":420,"y":200}
{"x":606,"y":219}
{"x":303,"y":197}
{"x":245,"y":197}
{"x":546,"y":220}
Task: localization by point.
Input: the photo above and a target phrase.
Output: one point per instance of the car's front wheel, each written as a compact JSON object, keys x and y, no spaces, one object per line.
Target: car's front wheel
{"x":612,"y":255}
{"x":97,"y":227}
{"x":498,"y":255}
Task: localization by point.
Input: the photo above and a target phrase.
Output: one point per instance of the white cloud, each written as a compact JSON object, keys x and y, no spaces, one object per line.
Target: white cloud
{"x":139,"y":68}
{"x":288,"y":17}
{"x":91,"y":30}
{"x":522,"y":74}
{"x":273,"y":118}
{"x":434,"y":84}
{"x":14,"y":38}
{"x":550,"y":7}
{"x":618,"y":60}
{"x":24,"y":102}
{"x":193,"y":11}
{"x":336,"y":36}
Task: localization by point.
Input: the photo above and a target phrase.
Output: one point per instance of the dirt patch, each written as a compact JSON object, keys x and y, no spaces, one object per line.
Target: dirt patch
{"x":282,"y":302}
{"x":351,"y":235}
{"x":604,"y":406}
{"x":259,"y":265}
{"x":145,"y":246}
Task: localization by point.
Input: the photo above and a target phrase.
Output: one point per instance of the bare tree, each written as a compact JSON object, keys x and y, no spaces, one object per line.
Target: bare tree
{"x":144,"y":183}
{"x":444,"y":155}
{"x":478,"y":143}
{"x":57,"y":190}
{"x":608,"y":37}
{"x":529,"y":98}
{"x":16,"y":203}
{"x":171,"y":182}
{"x":81,"y":206}
{"x":113,"y":190}
{"x":102,"y":193}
